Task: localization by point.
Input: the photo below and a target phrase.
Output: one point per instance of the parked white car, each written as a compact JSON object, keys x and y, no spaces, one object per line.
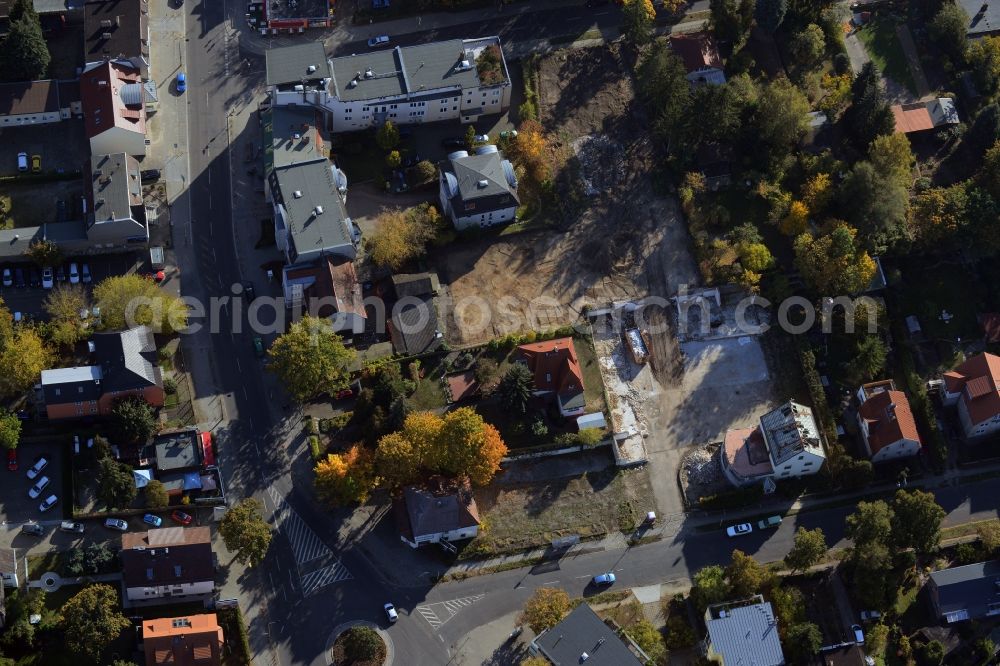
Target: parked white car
{"x":39,"y":486}
{"x":390,"y":612}
{"x":36,"y":469}
{"x":74,"y":273}
{"x":739,"y":530}
{"x":49,"y":502}
{"x":47,"y":279}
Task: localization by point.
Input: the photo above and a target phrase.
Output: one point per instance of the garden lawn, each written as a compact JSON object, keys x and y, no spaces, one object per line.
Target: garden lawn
{"x":927,"y":290}
{"x":430,"y":392}
{"x":593,"y":383}
{"x":882,"y":45}
{"x":532,"y":515}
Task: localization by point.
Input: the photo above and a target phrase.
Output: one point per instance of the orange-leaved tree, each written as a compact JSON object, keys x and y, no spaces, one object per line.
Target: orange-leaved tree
{"x":347,"y":477}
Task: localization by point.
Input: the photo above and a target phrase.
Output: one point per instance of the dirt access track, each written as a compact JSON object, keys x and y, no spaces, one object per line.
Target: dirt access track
{"x":627,"y":242}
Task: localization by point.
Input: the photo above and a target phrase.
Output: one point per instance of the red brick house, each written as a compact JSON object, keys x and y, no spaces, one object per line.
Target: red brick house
{"x":124,"y":364}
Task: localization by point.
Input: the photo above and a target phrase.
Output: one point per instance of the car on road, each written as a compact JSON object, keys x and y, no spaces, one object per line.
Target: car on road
{"x":74,"y":273}
{"x":71,"y":526}
{"x":85,"y":273}
{"x":49,"y":502}
{"x":604,"y":579}
{"x":773,"y":521}
{"x":116,"y":524}
{"x":36,"y":163}
{"x":453,"y":142}
{"x":859,"y":636}
{"x":8,"y":278}
{"x":34,"y":529}
{"x":22,"y":161}
{"x":508,"y":134}
{"x":151,"y":175}
{"x":47,"y":281}
{"x":870,"y":615}
{"x":411,"y":160}
{"x":39,"y":486}
{"x":739,"y":530}
{"x":11,"y":460}
{"x":258,"y":347}
{"x":181,"y":518}
{"x":36,"y":469}
{"x":182,"y":84}
{"x":390,"y":612}
{"x":153,"y":520}
{"x":381,"y":40}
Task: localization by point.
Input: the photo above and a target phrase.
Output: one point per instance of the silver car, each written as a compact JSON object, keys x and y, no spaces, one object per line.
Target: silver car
{"x":39,"y":486}
{"x":49,"y":502}
{"x":116,"y":524}
{"x":37,"y":468}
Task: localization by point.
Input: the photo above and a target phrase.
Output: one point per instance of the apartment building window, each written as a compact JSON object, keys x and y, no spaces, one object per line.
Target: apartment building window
{"x":393,"y":106}
{"x":484,"y":94}
{"x":454,"y":108}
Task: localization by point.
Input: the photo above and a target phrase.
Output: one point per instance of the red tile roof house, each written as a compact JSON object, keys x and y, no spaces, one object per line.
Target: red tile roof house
{"x":974,"y":387}
{"x":194,"y":640}
{"x":700,"y":56}
{"x":888,"y":428}
{"x":114,"y":109}
{"x":557,"y":373}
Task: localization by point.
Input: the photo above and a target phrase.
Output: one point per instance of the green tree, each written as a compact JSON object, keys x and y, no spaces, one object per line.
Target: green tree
{"x":91,"y":621}
{"x":938,"y":215}
{"x":984,"y":132}
{"x":132,"y":300}
{"x":424,"y":172}
{"x":514,"y":390}
{"x":870,"y":524}
{"x":877,"y":640}
{"x":931,"y":654}
{"x":789,"y":604}
{"x":245,"y":532}
{"x":64,"y":305}
{"x":393,"y":159}
{"x":469,"y":446}
{"x":387,"y":136}
{"x":947,"y":29}
{"x":916,"y":520}
{"x":984,"y":56}
{"x":134,"y":419}
{"x":664,"y":89}
{"x":115,"y":484}
{"x":869,"y":115}
{"x":808,"y":46}
{"x":989,"y":535}
{"x":746,"y":575}
{"x":10,"y":429}
{"x":710,"y":586}
{"x":545,"y":608}
{"x":649,"y":639}
{"x":362,"y":644}
{"x":868,"y":359}
{"x":875,"y":205}
{"x":25,"y":55}
{"x":156,"y":495}
{"x":782,"y":114}
{"x":808,"y":548}
{"x":20,"y":605}
{"x":470,"y":137}
{"x":871,"y":565}
{"x":891,"y":157}
{"x":834,"y":263}
{"x":769,"y":14}
{"x":802,"y":641}
{"x":310,"y":359}
{"x":637,"y":20}
{"x":731,"y":20}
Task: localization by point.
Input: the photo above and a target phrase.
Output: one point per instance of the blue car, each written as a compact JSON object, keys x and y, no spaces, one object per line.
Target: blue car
{"x":150,"y":519}
{"x":181,"y":82}
{"x":604,"y":579}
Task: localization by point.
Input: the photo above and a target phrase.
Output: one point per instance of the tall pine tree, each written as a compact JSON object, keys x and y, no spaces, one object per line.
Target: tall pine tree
{"x":24,"y":55}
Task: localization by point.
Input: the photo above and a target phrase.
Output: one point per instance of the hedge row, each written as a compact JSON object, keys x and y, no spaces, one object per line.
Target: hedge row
{"x":920,"y":404}
{"x":735,"y":499}
{"x":237,"y":638}
{"x":511,"y":340}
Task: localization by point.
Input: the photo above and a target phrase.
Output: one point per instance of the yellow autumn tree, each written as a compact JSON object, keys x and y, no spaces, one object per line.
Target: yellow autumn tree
{"x":471,"y":446}
{"x":402,"y":236}
{"x":796,"y":221}
{"x":22,"y":360}
{"x":817,"y":192}
{"x":345,"y":478}
{"x":834,"y":264}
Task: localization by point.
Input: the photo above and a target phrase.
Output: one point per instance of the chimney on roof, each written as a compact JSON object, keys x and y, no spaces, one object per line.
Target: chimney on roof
{"x":118,"y":20}
{"x":310,"y":69}
{"x":106,"y":35}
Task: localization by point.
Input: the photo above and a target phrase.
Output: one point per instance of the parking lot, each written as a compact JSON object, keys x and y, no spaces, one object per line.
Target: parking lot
{"x":15,"y":506}
{"x":30,"y":300}
{"x":63,"y":146}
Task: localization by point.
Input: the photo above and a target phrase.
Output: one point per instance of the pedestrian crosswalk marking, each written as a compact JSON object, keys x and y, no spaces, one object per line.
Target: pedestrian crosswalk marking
{"x":306,"y":547}
{"x":320,"y":578}
{"x":440,"y":612}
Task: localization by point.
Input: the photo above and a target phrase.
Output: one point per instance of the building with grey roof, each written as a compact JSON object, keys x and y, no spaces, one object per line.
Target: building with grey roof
{"x":116,"y":215}
{"x":117,"y":30}
{"x":743,"y":633}
{"x":970,"y":592}
{"x":455,"y":79}
{"x":436,"y":513}
{"x":582,"y":637}
{"x":478,"y":190}
{"x":310,"y":219}
{"x":984,"y":18}
{"x":793,"y":441}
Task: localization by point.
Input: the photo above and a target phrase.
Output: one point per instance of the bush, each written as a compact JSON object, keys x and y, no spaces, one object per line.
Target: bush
{"x":334,"y":424}
{"x":362,"y":644}
{"x":312,"y":427}
{"x":842,"y":63}
{"x":314,"y":447}
{"x":538,"y":428}
{"x":733,"y":499}
{"x":235,"y":631}
{"x":170,"y":386}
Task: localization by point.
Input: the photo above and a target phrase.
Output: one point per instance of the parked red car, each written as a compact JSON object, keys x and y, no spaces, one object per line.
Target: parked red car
{"x":344,"y":394}
{"x":12,"y":460}
{"x":181,"y":518}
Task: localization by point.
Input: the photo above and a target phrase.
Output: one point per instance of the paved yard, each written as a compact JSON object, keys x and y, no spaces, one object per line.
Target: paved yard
{"x":15,"y":506}
{"x":62,"y":146}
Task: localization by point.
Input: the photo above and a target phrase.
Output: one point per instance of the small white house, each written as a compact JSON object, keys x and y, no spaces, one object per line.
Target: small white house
{"x":886,"y":422}
{"x":424,"y":515}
